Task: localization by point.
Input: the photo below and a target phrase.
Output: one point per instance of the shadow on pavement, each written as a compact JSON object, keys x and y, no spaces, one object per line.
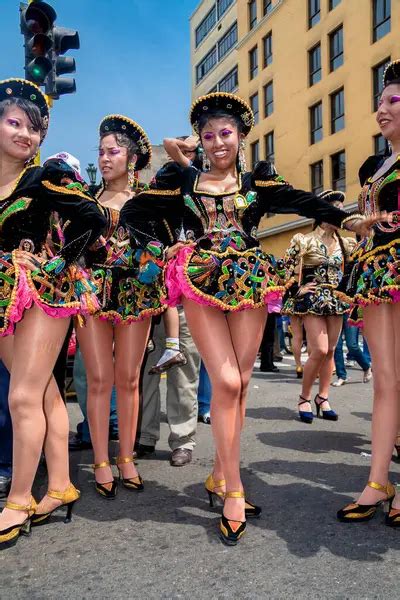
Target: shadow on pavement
{"x":317,"y":442}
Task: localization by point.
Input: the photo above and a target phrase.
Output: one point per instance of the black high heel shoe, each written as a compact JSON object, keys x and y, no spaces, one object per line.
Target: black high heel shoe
{"x":397,"y":448}
{"x":305,"y":416}
{"x":68,"y":498}
{"x":231,"y":531}
{"x":357,"y":513}
{"x":328,"y":415}
{"x":251,"y":511}
{"x":105,"y":492}
{"x":10,"y":535}
{"x":134,"y":483}
{"x":299,"y":372}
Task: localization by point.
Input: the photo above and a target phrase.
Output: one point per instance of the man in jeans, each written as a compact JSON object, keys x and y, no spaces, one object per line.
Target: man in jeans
{"x":5,"y":434}
{"x":182,"y":384}
{"x":351,"y":336}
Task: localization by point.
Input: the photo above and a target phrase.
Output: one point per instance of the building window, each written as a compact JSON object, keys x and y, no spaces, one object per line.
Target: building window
{"x":222,"y":6}
{"x":317,"y":177}
{"x":255,"y":107}
{"x":336,"y":48}
{"x":338,"y":165}
{"x":314,"y":12}
{"x":333,"y":4}
{"x":206,"y":25}
{"x":337,"y":111}
{"x":316,"y":123}
{"x":268,"y":99}
{"x":267,"y":7}
{"x":208,"y":62}
{"x":380,"y":19}
{"x":213,"y":89}
{"x":253,"y":62}
{"x":380,"y":145}
{"x":230,"y":82}
{"x":377,"y":82}
{"x":267,"y":49}
{"x":252,"y":13}
{"x":255,"y":153}
{"x":227,"y":41}
{"x":314,"y":64}
{"x":270,"y":147}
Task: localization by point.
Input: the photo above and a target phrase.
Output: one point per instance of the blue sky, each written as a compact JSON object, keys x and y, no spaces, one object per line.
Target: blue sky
{"x":134,"y":60}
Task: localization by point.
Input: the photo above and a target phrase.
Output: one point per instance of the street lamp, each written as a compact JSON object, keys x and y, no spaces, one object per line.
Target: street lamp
{"x":91,"y":170}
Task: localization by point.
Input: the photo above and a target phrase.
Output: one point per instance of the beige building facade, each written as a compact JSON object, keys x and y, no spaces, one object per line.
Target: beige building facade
{"x":312,"y":70}
{"x":214,"y":36}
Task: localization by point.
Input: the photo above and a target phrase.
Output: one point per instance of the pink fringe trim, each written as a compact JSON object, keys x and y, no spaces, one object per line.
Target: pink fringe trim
{"x":177,"y":287}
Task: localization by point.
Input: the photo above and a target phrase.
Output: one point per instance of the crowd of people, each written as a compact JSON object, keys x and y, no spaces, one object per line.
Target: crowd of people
{"x":176,"y":266}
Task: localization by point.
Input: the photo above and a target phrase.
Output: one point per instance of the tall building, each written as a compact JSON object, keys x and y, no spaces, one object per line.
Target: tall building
{"x":312,"y":71}
{"x":214,"y":36}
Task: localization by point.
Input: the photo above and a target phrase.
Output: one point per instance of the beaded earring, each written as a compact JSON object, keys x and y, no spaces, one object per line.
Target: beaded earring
{"x":242,"y":157}
{"x":206,"y":165}
{"x":132,"y":179}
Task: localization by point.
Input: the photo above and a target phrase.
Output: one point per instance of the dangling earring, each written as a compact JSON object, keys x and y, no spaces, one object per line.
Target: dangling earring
{"x":132,"y":179}
{"x":242,"y":157}
{"x":206,"y":165}
{"x":32,"y":160}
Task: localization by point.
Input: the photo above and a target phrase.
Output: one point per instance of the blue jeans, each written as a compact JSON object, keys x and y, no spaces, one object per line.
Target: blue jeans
{"x":80,"y":383}
{"x":204,"y":391}
{"x":5,"y":425}
{"x":351,"y":336}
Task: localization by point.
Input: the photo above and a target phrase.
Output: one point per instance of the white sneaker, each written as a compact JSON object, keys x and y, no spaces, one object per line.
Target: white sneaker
{"x":350,"y":363}
{"x":339,"y":382}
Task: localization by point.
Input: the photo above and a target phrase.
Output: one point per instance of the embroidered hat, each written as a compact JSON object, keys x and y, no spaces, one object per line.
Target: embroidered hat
{"x":22,"y":88}
{"x":229,"y":103}
{"x":121,"y":124}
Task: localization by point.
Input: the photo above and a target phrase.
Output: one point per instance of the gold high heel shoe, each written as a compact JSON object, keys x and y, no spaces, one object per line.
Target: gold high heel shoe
{"x":10,"y":535}
{"x":355,"y":512}
{"x":133,"y":483}
{"x":231,"y":531}
{"x":251,"y":510}
{"x":108,"y":494}
{"x":68,"y":498}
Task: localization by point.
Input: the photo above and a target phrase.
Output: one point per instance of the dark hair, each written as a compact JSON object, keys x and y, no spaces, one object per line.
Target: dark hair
{"x":30,"y":109}
{"x":217,"y":113}
{"x":124,"y":141}
{"x":394,"y":81}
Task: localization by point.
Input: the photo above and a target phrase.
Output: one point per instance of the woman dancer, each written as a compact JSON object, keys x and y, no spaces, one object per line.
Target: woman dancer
{"x":375,"y":285}
{"x":317,"y":261}
{"x":113,"y":342}
{"x":37,"y":288}
{"x":221,"y":271}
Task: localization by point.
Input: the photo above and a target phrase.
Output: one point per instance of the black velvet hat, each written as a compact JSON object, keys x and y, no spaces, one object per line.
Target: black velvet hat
{"x":229,"y":103}
{"x":332,"y":196}
{"x":22,"y":88}
{"x":392,"y":73}
{"x":121,"y":124}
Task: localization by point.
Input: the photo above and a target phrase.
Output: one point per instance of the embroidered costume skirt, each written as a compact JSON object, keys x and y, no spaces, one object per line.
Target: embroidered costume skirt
{"x":123,"y":298}
{"x":63,"y":295}
{"x":230,"y":280}
{"x":326,"y":301}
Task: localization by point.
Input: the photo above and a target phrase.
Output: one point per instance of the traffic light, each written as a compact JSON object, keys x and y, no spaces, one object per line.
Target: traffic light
{"x":63,"y":40}
{"x":44,"y":45}
{"x":36,"y":22}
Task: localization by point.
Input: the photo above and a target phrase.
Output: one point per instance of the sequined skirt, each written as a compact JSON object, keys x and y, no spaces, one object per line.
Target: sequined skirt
{"x":123,"y":298}
{"x":59,"y":296}
{"x":229,"y":280}
{"x":326,"y":301}
{"x":375,"y":275}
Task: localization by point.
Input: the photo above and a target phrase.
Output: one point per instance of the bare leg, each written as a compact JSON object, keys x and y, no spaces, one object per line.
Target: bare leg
{"x":385,"y":353}
{"x":317,"y":341}
{"x":96,"y":343}
{"x":333,"y":327}
{"x":37,"y":343}
{"x":130,"y":345}
{"x":171,"y":322}
{"x":296,"y":324}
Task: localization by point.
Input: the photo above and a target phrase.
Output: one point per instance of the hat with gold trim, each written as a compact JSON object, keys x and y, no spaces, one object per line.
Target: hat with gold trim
{"x":229,"y":103}
{"x":332,"y":196}
{"x":392,"y":73}
{"x":122,"y":124}
{"x":22,"y":88}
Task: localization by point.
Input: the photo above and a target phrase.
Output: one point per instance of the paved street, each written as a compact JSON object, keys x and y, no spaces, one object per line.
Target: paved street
{"x":162,"y":544}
